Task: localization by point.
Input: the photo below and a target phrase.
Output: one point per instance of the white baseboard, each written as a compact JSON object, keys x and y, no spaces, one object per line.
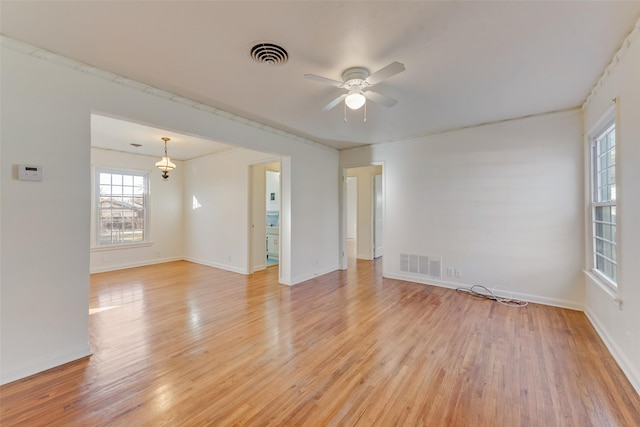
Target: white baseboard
{"x":259,"y":267}
{"x":133,"y":264}
{"x":554,"y":302}
{"x":627,"y":367}
{"x":163,"y":260}
{"x":217,"y":265}
{"x":299,"y":279}
{"x":35,"y":366}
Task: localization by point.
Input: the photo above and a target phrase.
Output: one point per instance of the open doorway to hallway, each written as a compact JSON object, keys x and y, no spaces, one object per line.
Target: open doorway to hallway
{"x":364,"y":211}
{"x":352,"y":216}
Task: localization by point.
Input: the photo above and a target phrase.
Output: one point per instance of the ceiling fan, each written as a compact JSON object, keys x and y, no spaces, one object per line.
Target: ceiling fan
{"x":357,"y":81}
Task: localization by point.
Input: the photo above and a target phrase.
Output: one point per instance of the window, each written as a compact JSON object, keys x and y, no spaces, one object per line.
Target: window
{"x":604,"y":216}
{"x":122,"y":207}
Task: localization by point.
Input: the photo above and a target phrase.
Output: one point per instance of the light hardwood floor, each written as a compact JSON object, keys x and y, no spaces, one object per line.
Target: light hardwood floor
{"x":181,"y":344}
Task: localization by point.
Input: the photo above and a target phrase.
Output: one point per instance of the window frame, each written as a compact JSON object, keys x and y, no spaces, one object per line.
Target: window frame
{"x":98,"y":245}
{"x":606,"y":125}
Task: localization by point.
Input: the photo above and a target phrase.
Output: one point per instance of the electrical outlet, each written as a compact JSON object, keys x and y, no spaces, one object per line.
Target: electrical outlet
{"x":458,"y":272}
{"x":450,"y":272}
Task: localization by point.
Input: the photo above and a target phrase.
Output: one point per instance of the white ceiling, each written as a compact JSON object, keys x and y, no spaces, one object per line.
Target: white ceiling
{"x":116,"y":134}
{"x":467,"y":63}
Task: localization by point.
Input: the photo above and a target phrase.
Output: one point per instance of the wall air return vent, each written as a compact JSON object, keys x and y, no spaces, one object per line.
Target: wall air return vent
{"x":421,"y":265}
{"x":414,"y":262}
{"x":435,"y":267}
{"x":404,"y":263}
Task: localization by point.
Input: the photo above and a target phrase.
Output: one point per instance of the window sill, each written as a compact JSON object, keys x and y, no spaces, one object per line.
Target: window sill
{"x":603,"y":285}
{"x":120,"y":246}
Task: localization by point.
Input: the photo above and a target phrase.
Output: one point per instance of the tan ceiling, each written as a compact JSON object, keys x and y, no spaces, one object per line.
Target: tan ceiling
{"x":467,"y":63}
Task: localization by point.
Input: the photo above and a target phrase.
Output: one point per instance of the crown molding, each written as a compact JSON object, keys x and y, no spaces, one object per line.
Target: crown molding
{"x":55,"y":58}
{"x":421,"y":137}
{"x":614,"y":63}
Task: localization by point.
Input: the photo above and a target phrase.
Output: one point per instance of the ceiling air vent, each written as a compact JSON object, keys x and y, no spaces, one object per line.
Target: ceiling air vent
{"x":269,"y":53}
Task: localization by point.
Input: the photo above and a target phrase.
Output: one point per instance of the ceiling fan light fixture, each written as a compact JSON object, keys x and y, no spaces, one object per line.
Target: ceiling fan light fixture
{"x":355,"y":100}
{"x":357,"y":79}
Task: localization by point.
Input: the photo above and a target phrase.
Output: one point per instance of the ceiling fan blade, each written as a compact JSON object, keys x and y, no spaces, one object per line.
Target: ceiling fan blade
{"x":380,"y":99}
{"x":325,"y":80}
{"x":335,"y":102}
{"x":384,"y":73}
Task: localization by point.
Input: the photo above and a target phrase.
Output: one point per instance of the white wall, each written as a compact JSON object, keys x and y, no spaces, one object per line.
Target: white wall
{"x":216,"y":233}
{"x":619,"y":325}
{"x":44,"y":286}
{"x":166,"y":237}
{"x":501,"y":202}
{"x":314,"y":214}
{"x":273,"y":186}
{"x":47,"y":101}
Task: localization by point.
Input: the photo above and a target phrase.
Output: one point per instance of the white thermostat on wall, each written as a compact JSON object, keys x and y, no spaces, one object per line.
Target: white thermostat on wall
{"x":29,"y":173}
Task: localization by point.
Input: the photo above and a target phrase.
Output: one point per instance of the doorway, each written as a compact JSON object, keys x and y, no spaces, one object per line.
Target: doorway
{"x":266,"y":215}
{"x":272,"y":216}
{"x":378,"y":223}
{"x":364,"y":203}
{"x":352,"y":216}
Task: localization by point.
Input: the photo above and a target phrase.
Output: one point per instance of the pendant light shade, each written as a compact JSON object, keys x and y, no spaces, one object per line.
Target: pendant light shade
{"x":165,"y":164}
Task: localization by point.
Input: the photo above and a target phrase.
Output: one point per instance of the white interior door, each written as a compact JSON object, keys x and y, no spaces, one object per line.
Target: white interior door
{"x":258,"y":224}
{"x":352,"y":207}
{"x":377,"y":216}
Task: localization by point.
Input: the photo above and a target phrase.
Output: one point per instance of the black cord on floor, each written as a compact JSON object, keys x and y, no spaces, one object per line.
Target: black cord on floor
{"x":484,"y":292}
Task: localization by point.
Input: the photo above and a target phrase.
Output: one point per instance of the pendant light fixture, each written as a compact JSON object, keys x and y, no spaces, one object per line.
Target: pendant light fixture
{"x":165,"y":164}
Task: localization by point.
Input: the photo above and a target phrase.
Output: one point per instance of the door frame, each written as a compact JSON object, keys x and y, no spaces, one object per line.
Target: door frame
{"x":342,"y":256}
{"x":284,"y":202}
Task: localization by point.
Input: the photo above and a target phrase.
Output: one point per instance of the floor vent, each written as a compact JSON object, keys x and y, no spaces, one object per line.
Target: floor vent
{"x":421,"y":264}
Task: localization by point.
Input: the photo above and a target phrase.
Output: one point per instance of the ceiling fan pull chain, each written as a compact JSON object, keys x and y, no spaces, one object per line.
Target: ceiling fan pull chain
{"x":365,"y":112}
{"x":345,"y":113}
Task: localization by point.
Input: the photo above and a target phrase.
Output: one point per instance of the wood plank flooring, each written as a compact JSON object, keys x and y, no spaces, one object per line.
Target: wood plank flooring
{"x":181,"y":344}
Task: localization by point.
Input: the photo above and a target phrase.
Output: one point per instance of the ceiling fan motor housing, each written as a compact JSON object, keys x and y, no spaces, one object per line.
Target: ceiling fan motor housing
{"x":354,"y":78}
